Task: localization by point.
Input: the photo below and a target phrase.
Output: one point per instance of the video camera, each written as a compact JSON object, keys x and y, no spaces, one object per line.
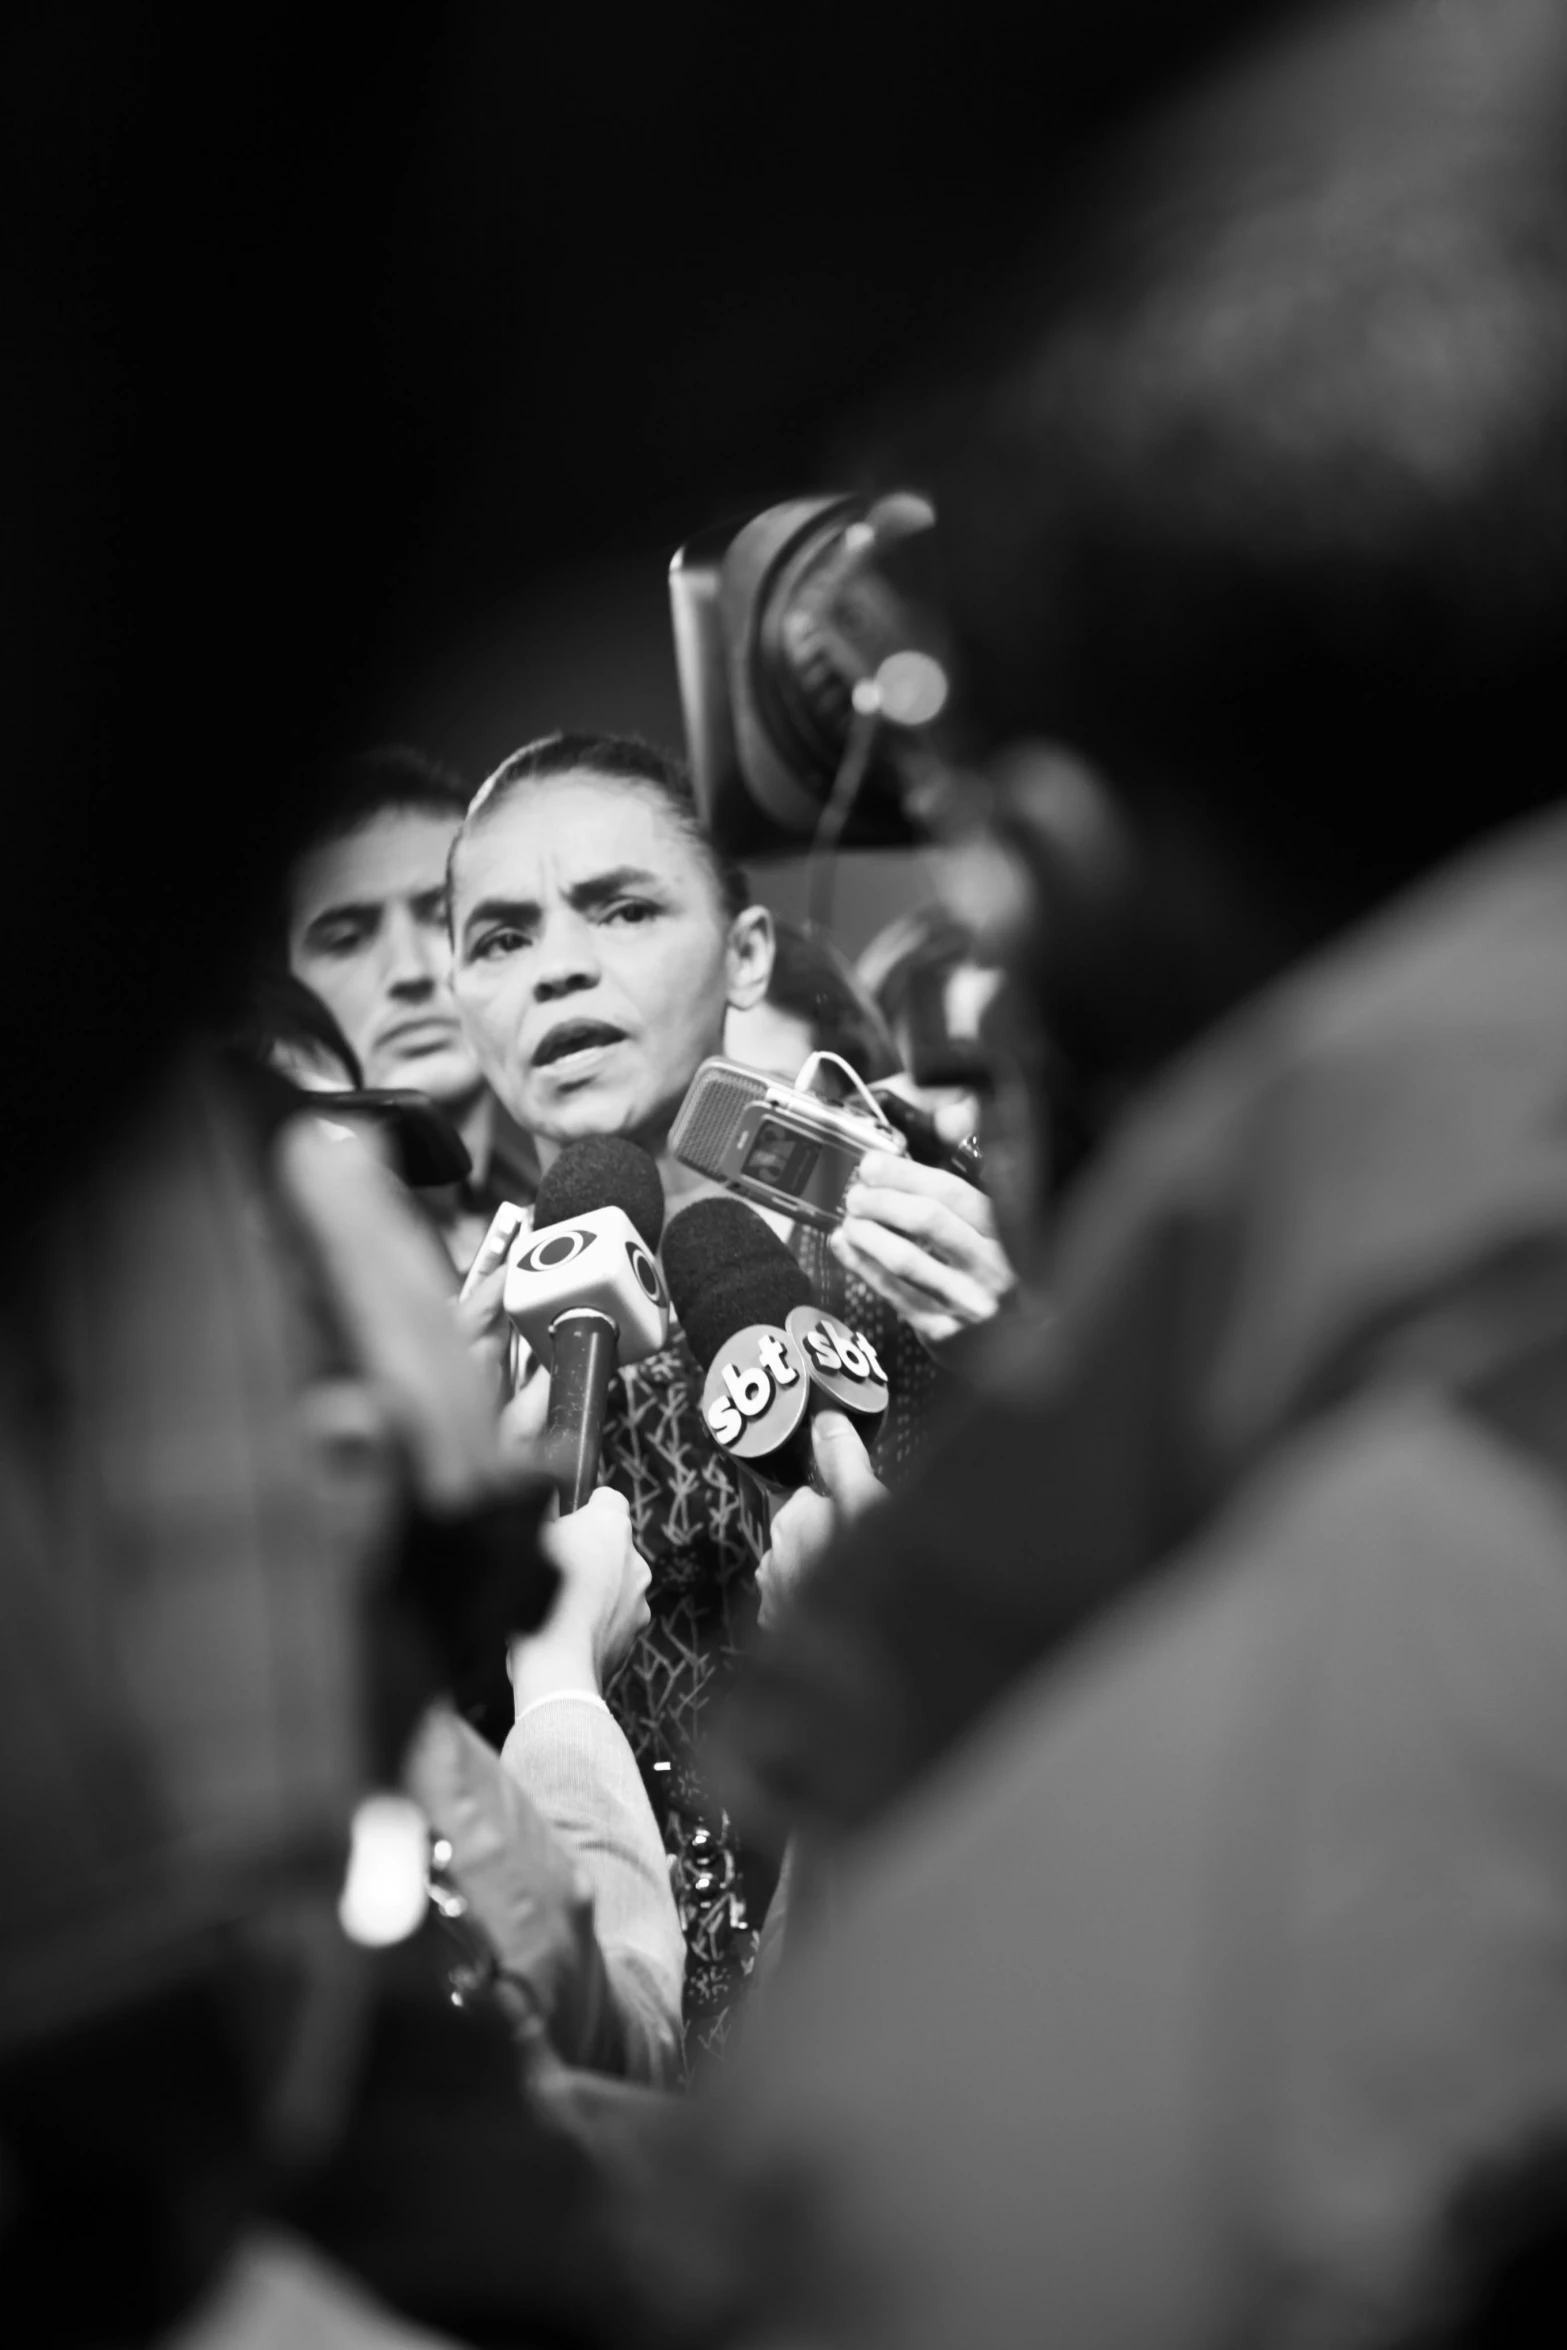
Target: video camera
{"x":805,"y":670}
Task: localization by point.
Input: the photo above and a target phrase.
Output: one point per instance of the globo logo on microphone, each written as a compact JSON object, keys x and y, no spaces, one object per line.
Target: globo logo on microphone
{"x":757,"y":1392}
{"x":596,"y":1259}
{"x":558,"y":1244}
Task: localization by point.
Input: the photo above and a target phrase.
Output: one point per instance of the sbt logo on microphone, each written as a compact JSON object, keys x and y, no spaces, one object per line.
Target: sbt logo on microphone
{"x":845,"y":1367}
{"x":756,"y":1392}
{"x":595,"y":1259}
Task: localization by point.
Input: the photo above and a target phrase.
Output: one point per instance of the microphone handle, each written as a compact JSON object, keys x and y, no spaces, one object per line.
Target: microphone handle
{"x":586,"y":1344}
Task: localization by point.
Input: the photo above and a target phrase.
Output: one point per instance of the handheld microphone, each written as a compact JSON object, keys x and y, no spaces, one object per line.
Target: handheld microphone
{"x":772,"y":1356}
{"x":584,"y":1289}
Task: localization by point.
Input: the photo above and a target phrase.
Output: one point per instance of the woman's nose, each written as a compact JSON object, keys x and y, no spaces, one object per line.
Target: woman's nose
{"x":568,"y":959}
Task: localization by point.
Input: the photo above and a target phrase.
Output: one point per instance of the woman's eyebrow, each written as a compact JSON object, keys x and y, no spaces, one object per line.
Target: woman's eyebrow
{"x":601,"y":886}
{"x":520,"y":913}
{"x":596,"y":890}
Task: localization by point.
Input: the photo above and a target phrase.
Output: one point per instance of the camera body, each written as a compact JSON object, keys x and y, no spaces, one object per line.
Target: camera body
{"x":779,"y":624}
{"x":779,"y":1145}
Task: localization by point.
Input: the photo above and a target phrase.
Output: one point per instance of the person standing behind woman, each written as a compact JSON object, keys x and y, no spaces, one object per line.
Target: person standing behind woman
{"x":363,"y":926}
{"x":599,"y":941}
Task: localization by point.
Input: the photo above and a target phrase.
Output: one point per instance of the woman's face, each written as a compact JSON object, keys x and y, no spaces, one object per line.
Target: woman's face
{"x":593,"y":960}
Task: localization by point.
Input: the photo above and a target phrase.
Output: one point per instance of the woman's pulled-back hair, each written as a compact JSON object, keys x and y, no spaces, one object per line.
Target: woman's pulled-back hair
{"x":616,"y":758}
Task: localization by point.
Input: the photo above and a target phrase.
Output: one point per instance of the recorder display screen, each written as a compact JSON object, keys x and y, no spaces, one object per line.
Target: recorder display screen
{"x":781,"y":1157}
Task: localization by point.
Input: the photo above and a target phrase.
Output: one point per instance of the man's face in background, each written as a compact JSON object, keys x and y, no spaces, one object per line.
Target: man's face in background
{"x":367,"y":931}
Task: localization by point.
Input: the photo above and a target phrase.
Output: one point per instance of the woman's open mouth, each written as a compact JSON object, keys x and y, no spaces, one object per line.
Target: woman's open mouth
{"x":575,"y":1045}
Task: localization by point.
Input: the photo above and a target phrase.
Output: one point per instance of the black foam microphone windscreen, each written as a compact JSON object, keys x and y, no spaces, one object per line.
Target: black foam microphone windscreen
{"x":726,"y":1269}
{"x":603,"y":1171}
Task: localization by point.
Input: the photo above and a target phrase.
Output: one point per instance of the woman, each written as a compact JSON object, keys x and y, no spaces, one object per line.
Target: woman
{"x":599,"y":944}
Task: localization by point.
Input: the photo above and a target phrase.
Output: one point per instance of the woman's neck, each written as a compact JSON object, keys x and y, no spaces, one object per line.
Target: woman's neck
{"x":682,"y":1185}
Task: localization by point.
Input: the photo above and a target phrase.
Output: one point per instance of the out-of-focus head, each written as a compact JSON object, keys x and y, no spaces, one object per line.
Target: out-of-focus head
{"x":931,"y":989}
{"x":599,"y":938}
{"x":1255,"y":557}
{"x":366,"y":920}
{"x":286,"y":1027}
{"x":815,"y":1003}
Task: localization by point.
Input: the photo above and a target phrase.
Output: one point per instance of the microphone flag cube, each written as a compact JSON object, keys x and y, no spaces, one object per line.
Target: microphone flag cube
{"x":596,"y":1260}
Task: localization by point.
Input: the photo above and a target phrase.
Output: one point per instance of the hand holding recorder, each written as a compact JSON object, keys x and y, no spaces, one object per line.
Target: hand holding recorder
{"x":795,"y":1148}
{"x":925,"y":1242}
{"x":899,"y":1196}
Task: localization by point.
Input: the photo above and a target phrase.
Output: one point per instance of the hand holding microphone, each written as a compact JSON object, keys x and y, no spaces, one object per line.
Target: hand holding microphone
{"x":584,"y":1289}
{"x":805,"y":1523}
{"x":773,"y":1359}
{"x":599,"y":1609}
{"x":481,"y":1302}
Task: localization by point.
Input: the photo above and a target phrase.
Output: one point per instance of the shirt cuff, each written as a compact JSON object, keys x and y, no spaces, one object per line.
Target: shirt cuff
{"x":562,"y":1697}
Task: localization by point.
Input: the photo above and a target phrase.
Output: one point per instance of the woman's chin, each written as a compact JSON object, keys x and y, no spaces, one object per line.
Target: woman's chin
{"x":595,"y":1111}
{"x":590,"y":1109}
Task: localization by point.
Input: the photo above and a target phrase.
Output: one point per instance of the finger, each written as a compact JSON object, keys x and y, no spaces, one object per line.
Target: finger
{"x":524,"y":1418}
{"x":605,"y":1517}
{"x":495,"y":1247}
{"x":881,"y":1171}
{"x":930,"y":1322}
{"x":932,"y":1282}
{"x":800,"y":1528}
{"x":957,"y":1121}
{"x":845,"y":1465}
{"x":931,"y":1325}
{"x":964,"y":1240}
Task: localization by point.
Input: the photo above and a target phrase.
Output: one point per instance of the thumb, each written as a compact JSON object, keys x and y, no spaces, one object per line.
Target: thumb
{"x":523,"y":1419}
{"x":845,"y":1465}
{"x":494,"y":1248}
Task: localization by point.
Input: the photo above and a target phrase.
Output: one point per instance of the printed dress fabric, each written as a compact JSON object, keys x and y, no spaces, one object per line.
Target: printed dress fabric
{"x":918,"y":1387}
{"x":693,"y":1528}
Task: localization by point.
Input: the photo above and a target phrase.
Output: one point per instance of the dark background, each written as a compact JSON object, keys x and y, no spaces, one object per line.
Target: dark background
{"x":365,"y":382}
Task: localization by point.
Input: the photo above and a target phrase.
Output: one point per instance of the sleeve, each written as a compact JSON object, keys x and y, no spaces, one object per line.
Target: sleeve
{"x":1236,"y":1938}
{"x":570,"y":1757}
{"x":555,"y":1850}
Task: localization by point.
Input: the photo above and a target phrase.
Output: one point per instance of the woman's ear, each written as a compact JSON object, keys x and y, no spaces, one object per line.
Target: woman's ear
{"x":749,"y":957}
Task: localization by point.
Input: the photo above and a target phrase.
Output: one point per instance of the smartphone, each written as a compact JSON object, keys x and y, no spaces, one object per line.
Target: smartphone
{"x":426,"y":1147}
